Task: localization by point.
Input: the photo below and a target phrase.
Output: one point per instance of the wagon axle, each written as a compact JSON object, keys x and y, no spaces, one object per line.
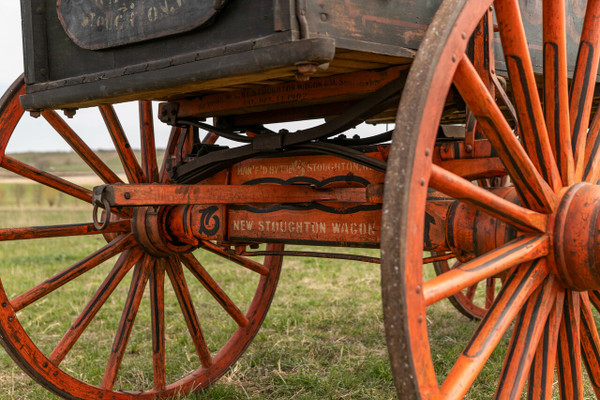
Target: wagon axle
{"x":576,"y":235}
{"x":172,"y":219}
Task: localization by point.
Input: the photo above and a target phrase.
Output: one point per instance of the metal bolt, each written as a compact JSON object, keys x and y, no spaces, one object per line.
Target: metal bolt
{"x":127,"y":195}
{"x":422,"y":181}
{"x":453,"y":57}
{"x":426,"y":152}
{"x":463,"y":35}
{"x":468,"y":148}
{"x":324,"y":17}
{"x":70,"y":112}
{"x":306,"y":70}
{"x":35,"y":113}
{"x":11,"y":319}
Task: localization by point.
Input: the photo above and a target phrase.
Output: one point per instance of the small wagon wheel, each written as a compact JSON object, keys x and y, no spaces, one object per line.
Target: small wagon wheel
{"x":216,"y":315}
{"x":551,"y":289}
{"x":474,"y":301}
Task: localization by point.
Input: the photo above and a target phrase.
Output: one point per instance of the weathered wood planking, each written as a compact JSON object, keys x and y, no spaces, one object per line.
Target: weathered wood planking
{"x":246,"y":43}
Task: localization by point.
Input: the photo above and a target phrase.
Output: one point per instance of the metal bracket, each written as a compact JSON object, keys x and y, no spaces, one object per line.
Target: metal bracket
{"x":268,"y":142}
{"x":302,"y":20}
{"x":168,"y":113}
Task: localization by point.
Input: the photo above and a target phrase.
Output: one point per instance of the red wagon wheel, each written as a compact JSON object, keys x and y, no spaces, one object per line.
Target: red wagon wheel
{"x":474,"y":301}
{"x":214,"y":308}
{"x":543,"y":319}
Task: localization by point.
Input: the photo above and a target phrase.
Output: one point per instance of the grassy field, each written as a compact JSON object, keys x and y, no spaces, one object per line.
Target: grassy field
{"x":323,"y":337}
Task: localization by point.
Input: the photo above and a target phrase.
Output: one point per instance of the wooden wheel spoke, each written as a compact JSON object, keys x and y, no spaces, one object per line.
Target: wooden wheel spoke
{"x":140,"y":277}
{"x":590,"y":343}
{"x":541,"y":373}
{"x":38,"y":232}
{"x":516,"y":291}
{"x":501,"y":259}
{"x":214,"y":289}
{"x":471,"y":290}
{"x":526,"y":335}
{"x":570,"y":379}
{"x":53,"y":181}
{"x":11,"y":114}
{"x":243,"y":261}
{"x":532,"y":126}
{"x":490,"y":291}
{"x":533,"y":190}
{"x":438,"y":258}
{"x":591,"y":172}
{"x":130,"y":164}
{"x":157,"y":306}
{"x":582,"y":88}
{"x":484,"y":200}
{"x":149,"y":162}
{"x":48,"y":286}
{"x":82,"y":149}
{"x":556,"y":87}
{"x":594,"y":297}
{"x":210,"y":138}
{"x":122,"y":266}
{"x":175,"y":272}
{"x":163,"y":176}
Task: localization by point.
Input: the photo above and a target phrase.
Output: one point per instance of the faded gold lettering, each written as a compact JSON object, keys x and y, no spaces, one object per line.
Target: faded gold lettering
{"x":284,"y":227}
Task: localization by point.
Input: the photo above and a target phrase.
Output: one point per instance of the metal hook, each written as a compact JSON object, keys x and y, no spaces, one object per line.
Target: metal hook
{"x":101,"y":226}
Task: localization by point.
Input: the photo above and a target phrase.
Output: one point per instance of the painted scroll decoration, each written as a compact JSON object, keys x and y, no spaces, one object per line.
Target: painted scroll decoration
{"x":101,"y":24}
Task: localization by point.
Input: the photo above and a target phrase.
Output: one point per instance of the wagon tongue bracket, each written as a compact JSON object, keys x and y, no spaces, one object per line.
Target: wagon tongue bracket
{"x":146,"y":195}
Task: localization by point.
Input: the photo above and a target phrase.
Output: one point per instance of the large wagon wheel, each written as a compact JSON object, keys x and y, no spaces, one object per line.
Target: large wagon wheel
{"x":551,"y":291}
{"x":221,"y":317}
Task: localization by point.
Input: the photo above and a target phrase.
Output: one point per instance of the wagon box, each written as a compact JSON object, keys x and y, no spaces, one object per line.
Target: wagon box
{"x":81,"y":52}
{"x":78,"y":53}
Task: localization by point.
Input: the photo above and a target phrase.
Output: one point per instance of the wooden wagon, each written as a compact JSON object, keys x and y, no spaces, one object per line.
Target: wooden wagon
{"x":489,"y":174}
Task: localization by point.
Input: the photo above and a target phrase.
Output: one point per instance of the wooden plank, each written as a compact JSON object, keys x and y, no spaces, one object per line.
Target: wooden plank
{"x":292,"y":94}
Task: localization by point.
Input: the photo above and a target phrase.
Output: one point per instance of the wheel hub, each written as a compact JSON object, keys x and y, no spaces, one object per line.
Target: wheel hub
{"x":576,"y":238}
{"x":149,"y":226}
